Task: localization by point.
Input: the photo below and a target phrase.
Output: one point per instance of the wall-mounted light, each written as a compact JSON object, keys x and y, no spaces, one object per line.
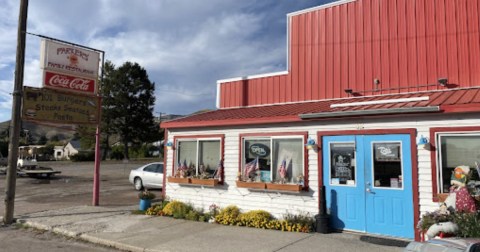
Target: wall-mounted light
{"x":348,"y":91}
{"x":443,"y":82}
{"x":169,"y":145}
{"x":311,"y":145}
{"x":376,"y":82}
{"x":423,"y":142}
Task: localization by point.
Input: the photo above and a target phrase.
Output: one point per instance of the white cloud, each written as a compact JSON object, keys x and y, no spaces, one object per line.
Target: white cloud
{"x":184,"y":45}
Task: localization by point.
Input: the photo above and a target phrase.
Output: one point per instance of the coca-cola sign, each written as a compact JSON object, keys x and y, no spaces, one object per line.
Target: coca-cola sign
{"x":68,"y":83}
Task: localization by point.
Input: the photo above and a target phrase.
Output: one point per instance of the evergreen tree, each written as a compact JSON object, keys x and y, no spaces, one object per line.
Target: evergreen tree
{"x":127,"y":105}
{"x":42,"y":140}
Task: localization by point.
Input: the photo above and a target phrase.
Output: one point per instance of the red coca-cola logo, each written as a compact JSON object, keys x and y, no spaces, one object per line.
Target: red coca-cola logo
{"x":61,"y":81}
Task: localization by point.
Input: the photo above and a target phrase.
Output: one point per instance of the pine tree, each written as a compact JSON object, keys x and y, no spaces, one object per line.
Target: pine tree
{"x":127,"y":105}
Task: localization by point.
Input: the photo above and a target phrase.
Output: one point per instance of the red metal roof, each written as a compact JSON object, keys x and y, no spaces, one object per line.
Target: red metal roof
{"x":448,"y":101}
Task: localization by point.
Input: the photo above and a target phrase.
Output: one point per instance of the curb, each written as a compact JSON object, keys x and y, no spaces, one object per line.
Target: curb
{"x":83,"y":236}
{"x":109,"y":243}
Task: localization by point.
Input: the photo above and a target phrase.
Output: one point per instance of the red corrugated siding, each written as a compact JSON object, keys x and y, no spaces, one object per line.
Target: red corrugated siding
{"x":474,"y":40}
{"x":405,"y":44}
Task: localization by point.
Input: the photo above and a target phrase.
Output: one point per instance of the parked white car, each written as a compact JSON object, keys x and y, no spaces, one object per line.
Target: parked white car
{"x":147,"y":176}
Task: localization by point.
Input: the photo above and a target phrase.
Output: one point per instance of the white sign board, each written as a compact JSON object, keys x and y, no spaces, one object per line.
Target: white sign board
{"x":69,"y":59}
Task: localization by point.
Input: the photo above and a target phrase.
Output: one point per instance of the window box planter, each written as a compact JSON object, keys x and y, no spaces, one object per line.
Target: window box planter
{"x":204,"y":182}
{"x":284,"y":187}
{"x":179,"y":180}
{"x":252,"y":185}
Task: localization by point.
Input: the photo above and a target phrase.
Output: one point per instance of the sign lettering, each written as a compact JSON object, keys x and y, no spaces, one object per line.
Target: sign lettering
{"x":259,"y":150}
{"x":68,"y":83}
{"x":51,"y":106}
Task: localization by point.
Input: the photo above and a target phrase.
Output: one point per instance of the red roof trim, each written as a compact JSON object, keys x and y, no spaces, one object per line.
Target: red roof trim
{"x":232,"y":122}
{"x":472,"y":107}
{"x":447,"y":101}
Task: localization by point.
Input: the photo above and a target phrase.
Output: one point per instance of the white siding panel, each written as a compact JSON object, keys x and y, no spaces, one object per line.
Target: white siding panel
{"x":307,"y":202}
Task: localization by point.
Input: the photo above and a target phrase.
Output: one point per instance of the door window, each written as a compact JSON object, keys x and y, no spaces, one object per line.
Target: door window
{"x":387,"y":164}
{"x":342,"y":163}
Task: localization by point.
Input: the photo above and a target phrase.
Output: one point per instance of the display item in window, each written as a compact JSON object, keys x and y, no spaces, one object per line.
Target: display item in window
{"x":464,"y":202}
{"x":282,"y":171}
{"x":251,"y":170}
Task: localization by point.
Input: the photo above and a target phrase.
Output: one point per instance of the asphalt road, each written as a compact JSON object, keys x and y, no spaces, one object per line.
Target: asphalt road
{"x":73,"y":187}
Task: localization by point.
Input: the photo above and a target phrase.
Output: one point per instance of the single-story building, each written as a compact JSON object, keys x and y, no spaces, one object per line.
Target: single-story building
{"x":58,"y":152}
{"x":379,"y":103}
{"x":71,"y":148}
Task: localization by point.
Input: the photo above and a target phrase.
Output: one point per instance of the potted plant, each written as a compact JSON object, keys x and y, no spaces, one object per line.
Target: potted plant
{"x":145,"y":199}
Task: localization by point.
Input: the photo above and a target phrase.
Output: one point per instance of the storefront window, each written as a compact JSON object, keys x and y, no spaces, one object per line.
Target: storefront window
{"x":342,"y":163}
{"x":200,"y":157}
{"x":456,"y":150}
{"x":280,"y":160}
{"x":387,"y":164}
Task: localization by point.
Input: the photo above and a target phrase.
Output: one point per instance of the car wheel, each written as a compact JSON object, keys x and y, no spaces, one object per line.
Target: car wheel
{"x":137,"y":183}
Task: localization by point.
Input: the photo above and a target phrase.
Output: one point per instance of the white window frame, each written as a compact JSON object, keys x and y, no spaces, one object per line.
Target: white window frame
{"x":198,"y":140}
{"x":372,"y":177}
{"x":438,"y":144}
{"x":271,"y":138}
{"x":330,"y":162}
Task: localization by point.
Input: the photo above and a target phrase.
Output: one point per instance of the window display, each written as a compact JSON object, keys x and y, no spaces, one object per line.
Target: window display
{"x":274,"y":159}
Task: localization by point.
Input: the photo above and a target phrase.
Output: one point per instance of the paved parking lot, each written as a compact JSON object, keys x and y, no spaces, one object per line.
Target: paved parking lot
{"x":74,"y":187}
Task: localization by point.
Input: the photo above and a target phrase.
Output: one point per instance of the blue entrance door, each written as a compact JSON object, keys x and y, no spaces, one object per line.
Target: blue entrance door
{"x":368,"y":182}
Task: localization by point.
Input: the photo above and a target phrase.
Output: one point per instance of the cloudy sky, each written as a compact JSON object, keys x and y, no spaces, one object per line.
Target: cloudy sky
{"x":185,"y":45}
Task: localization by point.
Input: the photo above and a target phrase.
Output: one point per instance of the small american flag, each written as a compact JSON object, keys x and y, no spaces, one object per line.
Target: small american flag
{"x":282,"y":170}
{"x":183,"y":169}
{"x":219,"y":172}
{"x":251,"y":168}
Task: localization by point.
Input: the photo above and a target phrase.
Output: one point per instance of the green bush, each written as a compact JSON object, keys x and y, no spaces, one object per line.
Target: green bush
{"x":117,"y":155}
{"x":468,"y":224}
{"x":192,"y":215}
{"x":177,"y":209}
{"x":83,"y":156}
{"x":228,"y":215}
{"x":255,"y":218}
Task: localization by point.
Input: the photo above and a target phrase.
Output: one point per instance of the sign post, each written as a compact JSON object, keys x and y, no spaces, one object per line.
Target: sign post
{"x":16,"y":119}
{"x":72,"y":68}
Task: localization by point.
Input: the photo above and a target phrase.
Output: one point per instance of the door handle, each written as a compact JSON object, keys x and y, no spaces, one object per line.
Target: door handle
{"x":369,"y":191}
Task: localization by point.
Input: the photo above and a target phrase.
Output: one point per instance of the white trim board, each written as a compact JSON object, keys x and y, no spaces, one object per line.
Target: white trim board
{"x":401,"y":100}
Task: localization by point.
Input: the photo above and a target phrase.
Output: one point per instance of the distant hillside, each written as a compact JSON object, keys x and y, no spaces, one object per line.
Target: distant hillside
{"x":38,"y":130}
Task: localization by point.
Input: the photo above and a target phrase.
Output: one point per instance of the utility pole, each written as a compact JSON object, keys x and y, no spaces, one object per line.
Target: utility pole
{"x":16,"y":112}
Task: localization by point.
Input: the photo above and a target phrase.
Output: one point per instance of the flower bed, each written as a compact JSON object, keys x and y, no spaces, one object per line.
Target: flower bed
{"x":231,"y":215}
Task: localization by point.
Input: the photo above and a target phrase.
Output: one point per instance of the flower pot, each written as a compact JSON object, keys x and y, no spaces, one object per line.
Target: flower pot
{"x":144,"y":204}
{"x":205,"y":182}
{"x":252,"y":185}
{"x":179,"y":180}
{"x":284,"y":187}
